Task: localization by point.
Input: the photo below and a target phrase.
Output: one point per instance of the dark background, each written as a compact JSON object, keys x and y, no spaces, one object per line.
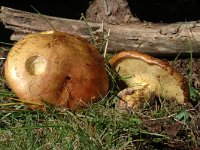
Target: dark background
{"x":149,"y":10}
{"x":166,"y":10}
{"x":61,"y":8}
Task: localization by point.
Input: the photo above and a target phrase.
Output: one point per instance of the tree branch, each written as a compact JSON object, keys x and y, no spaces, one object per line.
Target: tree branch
{"x":155,"y":39}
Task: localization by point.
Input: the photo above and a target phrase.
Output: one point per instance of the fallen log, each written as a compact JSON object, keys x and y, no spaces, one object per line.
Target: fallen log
{"x":155,"y":39}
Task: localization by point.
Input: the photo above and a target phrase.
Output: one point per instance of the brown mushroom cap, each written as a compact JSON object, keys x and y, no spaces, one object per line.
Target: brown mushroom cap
{"x":57,"y":68}
{"x":140,"y":70}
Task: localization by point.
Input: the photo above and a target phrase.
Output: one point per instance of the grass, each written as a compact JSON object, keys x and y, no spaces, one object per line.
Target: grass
{"x":83,"y":130}
{"x":160,"y":125}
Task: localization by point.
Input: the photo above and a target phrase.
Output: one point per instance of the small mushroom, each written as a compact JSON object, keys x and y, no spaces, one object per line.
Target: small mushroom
{"x":147,"y":77}
{"x":57,"y":68}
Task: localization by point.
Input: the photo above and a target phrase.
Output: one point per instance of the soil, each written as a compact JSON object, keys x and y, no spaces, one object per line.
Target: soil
{"x":182,"y":135}
{"x":183,"y":65}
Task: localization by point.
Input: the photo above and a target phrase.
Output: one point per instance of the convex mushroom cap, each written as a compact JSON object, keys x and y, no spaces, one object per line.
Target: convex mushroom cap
{"x":57,"y":68}
{"x":147,"y":76}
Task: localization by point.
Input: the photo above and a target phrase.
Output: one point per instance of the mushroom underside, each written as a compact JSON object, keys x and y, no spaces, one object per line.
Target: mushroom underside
{"x":147,"y":78}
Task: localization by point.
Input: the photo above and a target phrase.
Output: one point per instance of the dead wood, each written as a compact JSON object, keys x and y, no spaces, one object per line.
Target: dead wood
{"x":110,"y":11}
{"x":155,"y":39}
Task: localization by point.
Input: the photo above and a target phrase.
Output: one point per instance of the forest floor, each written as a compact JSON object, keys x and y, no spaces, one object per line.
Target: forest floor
{"x":158,"y":125}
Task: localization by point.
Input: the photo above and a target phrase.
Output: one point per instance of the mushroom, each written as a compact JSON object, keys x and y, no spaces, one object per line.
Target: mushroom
{"x":146,"y":78}
{"x":57,"y":68}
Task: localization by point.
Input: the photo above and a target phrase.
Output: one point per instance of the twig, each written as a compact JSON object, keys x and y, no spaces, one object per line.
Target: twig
{"x":106,"y":46}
